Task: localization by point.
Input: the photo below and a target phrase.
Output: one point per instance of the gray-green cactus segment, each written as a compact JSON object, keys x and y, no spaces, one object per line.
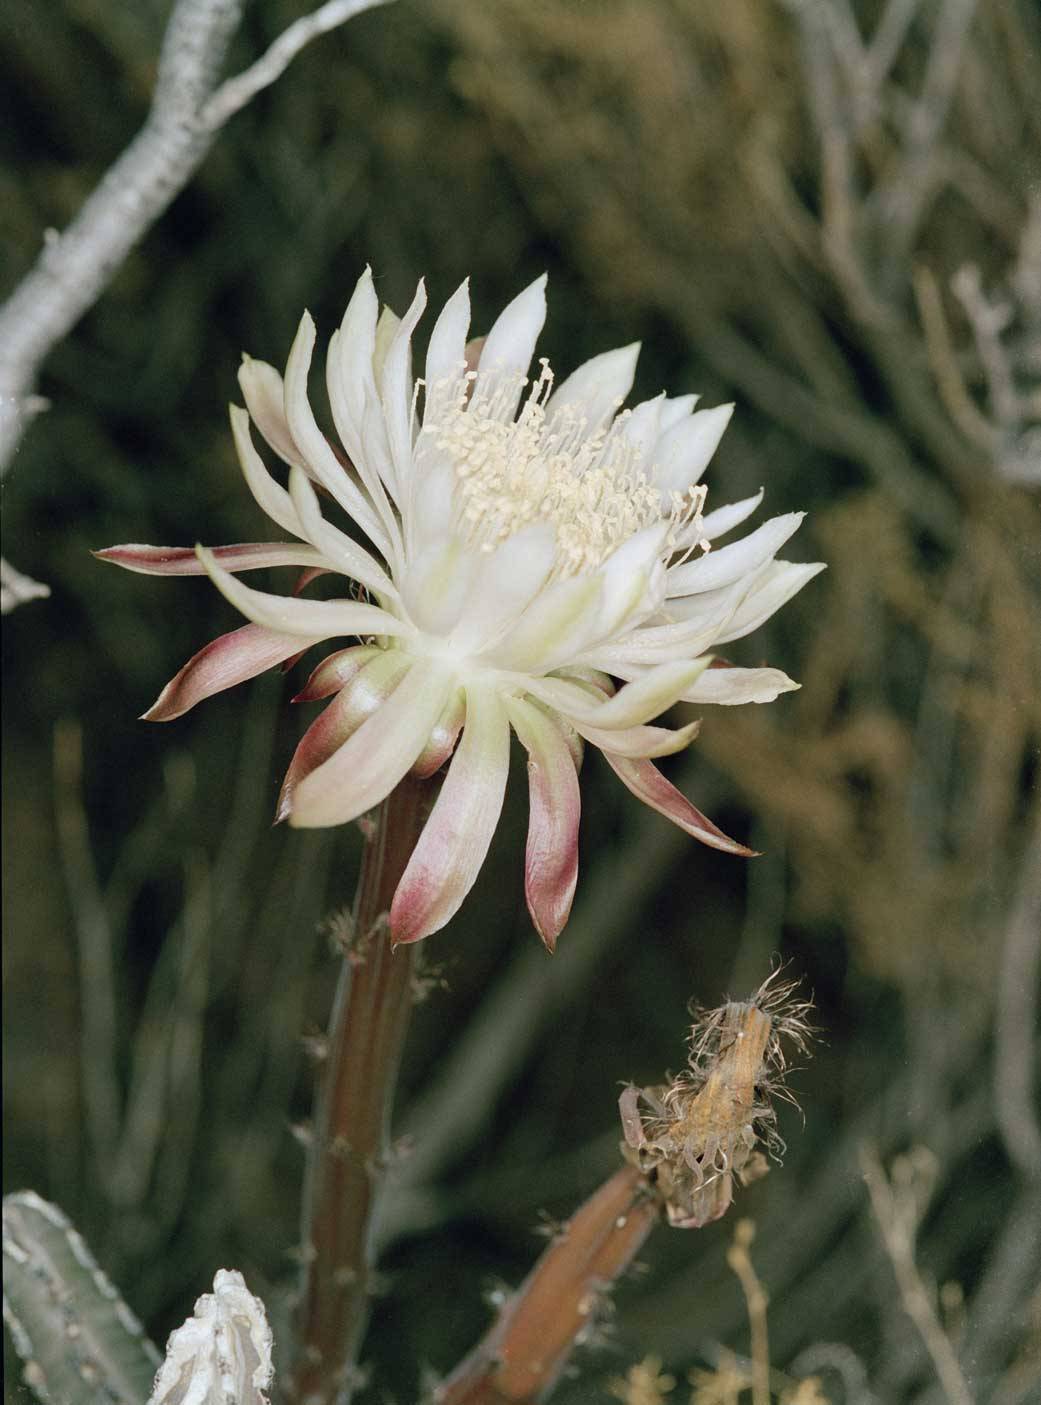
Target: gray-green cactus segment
{"x":80,"y":1342}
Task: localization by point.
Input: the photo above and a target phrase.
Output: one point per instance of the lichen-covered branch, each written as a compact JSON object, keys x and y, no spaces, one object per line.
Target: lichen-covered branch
{"x":188,"y":110}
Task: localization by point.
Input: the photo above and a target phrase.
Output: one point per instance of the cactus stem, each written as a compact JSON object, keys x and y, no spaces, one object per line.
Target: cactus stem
{"x":350,"y":1135}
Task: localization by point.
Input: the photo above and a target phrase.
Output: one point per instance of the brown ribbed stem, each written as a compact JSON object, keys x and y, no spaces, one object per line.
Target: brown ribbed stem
{"x":520,"y":1359}
{"x":350,"y":1135}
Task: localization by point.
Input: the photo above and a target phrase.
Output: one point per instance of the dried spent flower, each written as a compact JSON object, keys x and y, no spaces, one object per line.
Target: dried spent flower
{"x":531,"y":545}
{"x":703,"y":1129}
{"x":221,"y":1353}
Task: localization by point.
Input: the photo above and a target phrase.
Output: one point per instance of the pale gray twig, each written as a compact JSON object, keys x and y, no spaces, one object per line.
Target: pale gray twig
{"x":16,"y":589}
{"x":237,"y":92}
{"x":899,"y":1204}
{"x":187,"y":112}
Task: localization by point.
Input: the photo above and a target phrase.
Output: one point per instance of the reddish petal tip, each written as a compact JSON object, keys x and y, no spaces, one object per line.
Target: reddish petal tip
{"x":155,"y":714}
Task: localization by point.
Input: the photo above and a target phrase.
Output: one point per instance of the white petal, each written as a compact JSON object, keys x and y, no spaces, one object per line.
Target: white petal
{"x":739,"y":685}
{"x":631,"y":706}
{"x":313,"y":619}
{"x":642,"y":427}
{"x":679,"y":407}
{"x":437,"y":585}
{"x":455,"y":840}
{"x":683,"y":452}
{"x":322,"y":462}
{"x":508,"y":580}
{"x":396,"y":393}
{"x":446,"y":353}
{"x":347,"y":556}
{"x":728,"y":564}
{"x":642,"y":742}
{"x":386,"y":330}
{"x":510,"y":345}
{"x":349,"y":365}
{"x":552,"y":628}
{"x":780,"y":581}
{"x":264,"y":394}
{"x":433,"y":499}
{"x":725,"y":519}
{"x":369,"y":765}
{"x":596,"y":390}
{"x":627,"y":573}
{"x":359,"y":423}
{"x":271,"y":497}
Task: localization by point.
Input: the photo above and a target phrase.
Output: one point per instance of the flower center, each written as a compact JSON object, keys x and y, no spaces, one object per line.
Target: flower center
{"x":550,"y":466}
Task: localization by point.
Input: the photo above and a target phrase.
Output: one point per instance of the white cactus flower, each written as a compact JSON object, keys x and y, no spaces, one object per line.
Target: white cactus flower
{"x":527,"y":544}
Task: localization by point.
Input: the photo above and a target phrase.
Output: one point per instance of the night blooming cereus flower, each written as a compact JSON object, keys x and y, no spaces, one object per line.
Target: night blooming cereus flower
{"x":528,"y":545}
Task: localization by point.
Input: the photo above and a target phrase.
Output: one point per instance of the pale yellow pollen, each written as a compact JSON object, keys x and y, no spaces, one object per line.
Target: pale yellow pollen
{"x":544,"y":467}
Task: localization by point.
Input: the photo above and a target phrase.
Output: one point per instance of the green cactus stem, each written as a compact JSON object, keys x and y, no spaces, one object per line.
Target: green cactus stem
{"x":80,"y":1343}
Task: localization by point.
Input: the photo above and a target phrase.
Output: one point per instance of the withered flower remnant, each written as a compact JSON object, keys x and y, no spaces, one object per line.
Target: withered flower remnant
{"x":705,"y":1128}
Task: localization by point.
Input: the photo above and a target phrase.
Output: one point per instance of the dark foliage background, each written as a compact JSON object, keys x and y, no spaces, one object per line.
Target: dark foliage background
{"x":775,"y":199}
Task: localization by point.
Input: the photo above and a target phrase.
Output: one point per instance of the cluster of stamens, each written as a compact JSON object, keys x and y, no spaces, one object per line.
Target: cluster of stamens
{"x":550,"y":467}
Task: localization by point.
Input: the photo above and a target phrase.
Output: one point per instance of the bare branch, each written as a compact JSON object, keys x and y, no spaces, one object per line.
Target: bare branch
{"x":238,"y":91}
{"x":899,"y":1201}
{"x":16,"y":589}
{"x":76,"y":265}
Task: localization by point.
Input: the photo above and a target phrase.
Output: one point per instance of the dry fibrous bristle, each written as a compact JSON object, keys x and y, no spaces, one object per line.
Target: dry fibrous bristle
{"x":706,"y":1126}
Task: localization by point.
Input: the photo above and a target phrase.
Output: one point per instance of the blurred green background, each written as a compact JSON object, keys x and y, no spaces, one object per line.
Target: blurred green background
{"x":774,"y":198}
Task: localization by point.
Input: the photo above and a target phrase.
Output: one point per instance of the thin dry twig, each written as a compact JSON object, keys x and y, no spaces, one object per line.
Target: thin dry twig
{"x":898,"y":1206}
{"x":757,"y":1300}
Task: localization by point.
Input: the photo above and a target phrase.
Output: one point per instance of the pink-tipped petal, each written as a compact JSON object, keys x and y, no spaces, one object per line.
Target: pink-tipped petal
{"x":649,"y":785}
{"x":319,"y":619}
{"x":443,"y":737}
{"x":371,"y":762}
{"x":336,"y":671}
{"x":372,"y":685}
{"x":183,"y":561}
{"x":551,"y":856}
{"x":226,"y":661}
{"x":456,"y":837}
